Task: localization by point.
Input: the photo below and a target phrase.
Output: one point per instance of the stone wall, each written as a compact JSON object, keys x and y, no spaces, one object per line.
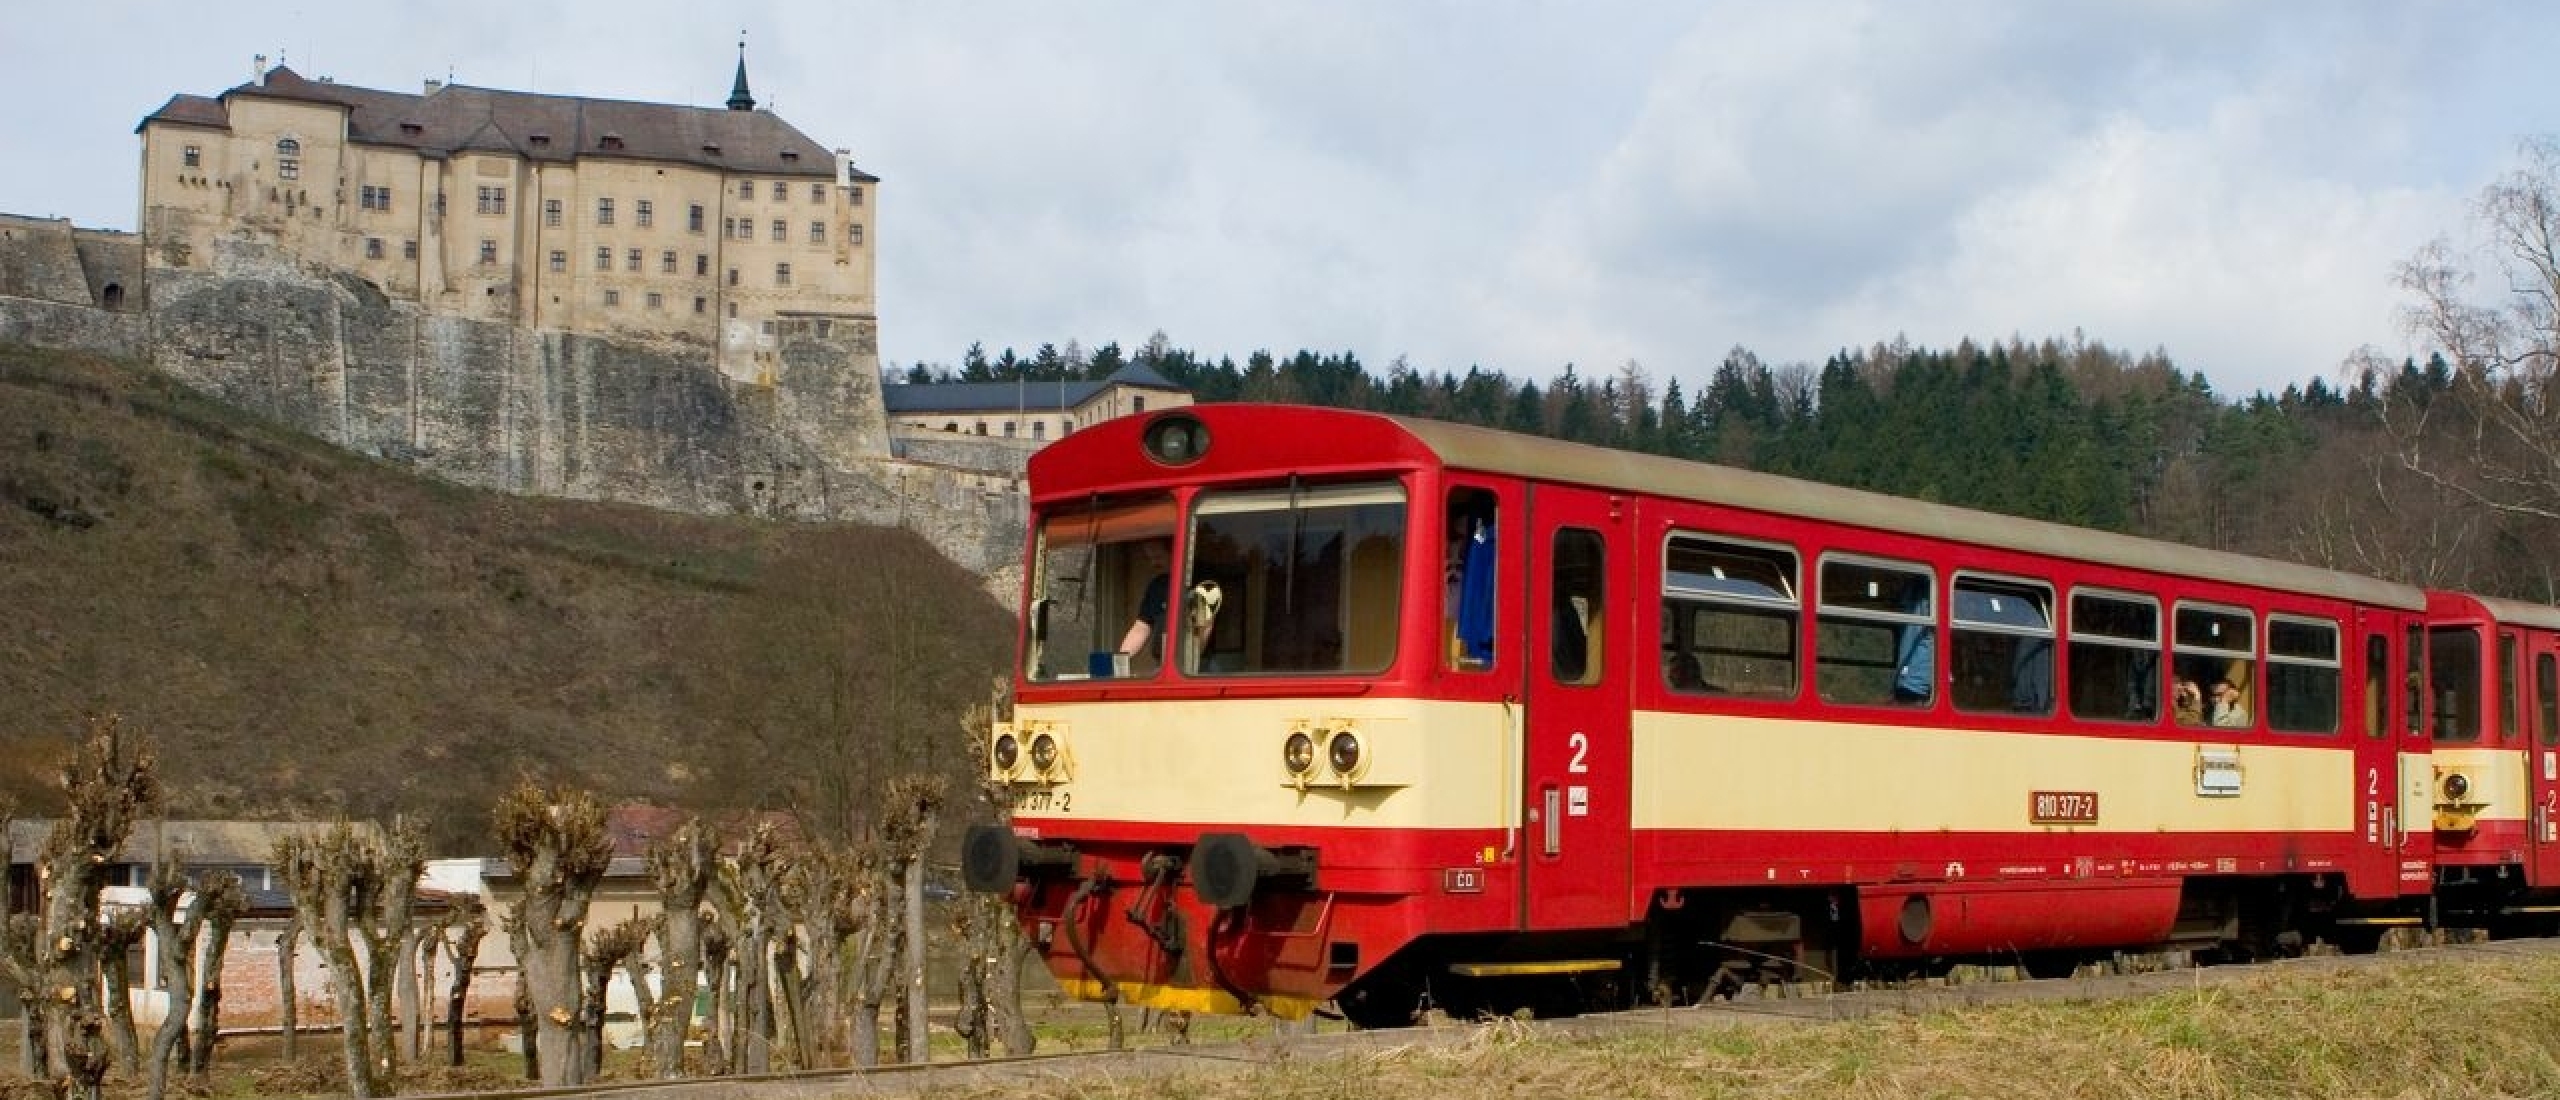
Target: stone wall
{"x":497,"y":406}
{"x":984,"y":454}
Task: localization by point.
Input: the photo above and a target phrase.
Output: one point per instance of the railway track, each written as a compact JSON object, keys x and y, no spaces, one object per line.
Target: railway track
{"x":1749,"y":1010}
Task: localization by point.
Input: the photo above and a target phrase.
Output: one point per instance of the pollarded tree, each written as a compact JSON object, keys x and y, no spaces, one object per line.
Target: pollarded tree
{"x":556,"y":841}
{"x":681,"y":863}
{"x":465,"y":925}
{"x":338,"y":879}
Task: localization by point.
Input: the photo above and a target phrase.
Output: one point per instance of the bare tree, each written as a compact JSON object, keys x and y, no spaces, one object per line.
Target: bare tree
{"x":681,"y":863}
{"x":556,"y":841}
{"x":717,"y":959}
{"x":223,"y":899}
{"x":749,"y":907}
{"x":288,"y":999}
{"x":822,"y":888}
{"x":336,"y":879}
{"x":890,"y":947}
{"x":178,"y":934}
{"x":606,"y":949}
{"x":464,"y":927}
{"x":119,"y":932}
{"x":986,"y":926}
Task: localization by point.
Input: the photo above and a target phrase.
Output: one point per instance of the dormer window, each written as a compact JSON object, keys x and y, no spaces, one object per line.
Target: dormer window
{"x":540,"y":141}
{"x":710,"y":149}
{"x":411,"y":129}
{"x":788,"y":155}
{"x":610,"y":141}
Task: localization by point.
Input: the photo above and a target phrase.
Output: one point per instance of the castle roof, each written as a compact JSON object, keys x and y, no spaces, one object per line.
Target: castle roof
{"x":1044,"y":396}
{"x":459,"y":118}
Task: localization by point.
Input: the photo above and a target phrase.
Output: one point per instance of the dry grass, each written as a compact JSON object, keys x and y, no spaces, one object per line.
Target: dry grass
{"x":2472,"y":1026}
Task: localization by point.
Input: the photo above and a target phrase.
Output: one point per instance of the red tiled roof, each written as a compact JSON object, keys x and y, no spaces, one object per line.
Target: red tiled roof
{"x":458,"y":118}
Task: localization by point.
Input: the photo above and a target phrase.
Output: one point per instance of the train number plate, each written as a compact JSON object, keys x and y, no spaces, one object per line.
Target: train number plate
{"x":2062,"y":808}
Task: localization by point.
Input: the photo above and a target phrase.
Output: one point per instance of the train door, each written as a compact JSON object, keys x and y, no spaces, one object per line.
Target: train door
{"x":2412,"y":828}
{"x":2542,"y":757}
{"x":1576,"y":871}
{"x":2382,"y":739}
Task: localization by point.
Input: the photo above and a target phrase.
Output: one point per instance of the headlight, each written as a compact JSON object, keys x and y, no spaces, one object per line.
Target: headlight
{"x":1044,"y":753}
{"x":1008,"y":753}
{"x":1343,"y":752}
{"x":2456,"y":786}
{"x":1298,"y":754}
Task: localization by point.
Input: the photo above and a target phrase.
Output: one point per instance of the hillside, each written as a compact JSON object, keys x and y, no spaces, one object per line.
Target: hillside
{"x":305,"y":631}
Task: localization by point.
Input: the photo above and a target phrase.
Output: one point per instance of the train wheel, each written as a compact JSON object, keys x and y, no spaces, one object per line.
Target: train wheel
{"x":1386,"y":998}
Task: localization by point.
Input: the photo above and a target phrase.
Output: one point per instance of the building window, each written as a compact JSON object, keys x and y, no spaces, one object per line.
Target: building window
{"x":604,"y":257}
{"x":693,"y":218}
{"x":559,"y":260}
{"x":646,"y":212}
{"x":373,"y":248}
{"x":604,"y":211}
{"x":667,"y":262}
{"x":781,"y":191}
{"x":1039,"y":429}
{"x":1137,"y":404}
{"x":746,"y":189}
{"x":613,"y":297}
{"x":767,"y":328}
{"x":193,"y":156}
{"x":408,"y":250}
{"x":817,"y":232}
{"x":631,"y":260}
{"x":699,"y":302}
{"x":746,"y":228}
{"x":857,"y":194}
{"x":818,"y":192}
{"x":493,"y":200}
{"x":733,"y":311}
{"x":655,"y":301}
{"x":488,"y":251}
{"x":781,"y":230}
{"x":288,"y":159}
{"x":551,"y":213}
{"x":733,"y":276}
{"x":1008,"y":429}
{"x":369,"y":197}
{"x":853,"y":234}
{"x":701,"y":263}
{"x":782,"y":274}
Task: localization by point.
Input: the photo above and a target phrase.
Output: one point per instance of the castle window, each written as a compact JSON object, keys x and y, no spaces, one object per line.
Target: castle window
{"x":733,"y":276}
{"x":631,"y":260}
{"x":857,"y":193}
{"x":746,"y":189}
{"x":728,"y":227}
{"x":817,"y":232}
{"x":782,"y":274}
{"x":193,"y":156}
{"x":488,"y":251}
{"x":781,"y":191}
{"x":646,"y":212}
{"x":853,"y":234}
{"x":693,"y":218}
{"x":767,"y":328}
{"x":701,"y":263}
{"x":656,"y":302}
{"x":559,"y":260}
{"x":551,"y":213}
{"x":604,"y":257}
{"x":288,"y":159}
{"x":746,"y":228}
{"x":818,"y":192}
{"x":1008,"y":429}
{"x":667,"y":262}
{"x":493,"y":200}
{"x":371,"y":197}
{"x":781,"y":229}
{"x":408,"y":250}
{"x":373,"y":248}
{"x":1137,"y":404}
{"x":698,"y":303}
{"x":613,"y":297}
{"x":1039,"y":429}
{"x":950,"y":425}
{"x":604,"y":211}
{"x":733,"y":311}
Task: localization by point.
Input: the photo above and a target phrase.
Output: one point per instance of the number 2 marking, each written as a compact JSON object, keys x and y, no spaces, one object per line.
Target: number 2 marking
{"x":1581,"y":743}
{"x":2372,"y":782}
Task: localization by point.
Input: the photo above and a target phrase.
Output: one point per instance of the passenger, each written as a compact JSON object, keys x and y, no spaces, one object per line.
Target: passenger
{"x":2189,"y":703}
{"x":2228,"y":710}
{"x":1149,"y":624}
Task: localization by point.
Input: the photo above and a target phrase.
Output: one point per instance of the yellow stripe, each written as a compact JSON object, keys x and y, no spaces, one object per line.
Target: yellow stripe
{"x":1729,"y":773}
{"x":1532,"y":969}
{"x":1170,"y":998}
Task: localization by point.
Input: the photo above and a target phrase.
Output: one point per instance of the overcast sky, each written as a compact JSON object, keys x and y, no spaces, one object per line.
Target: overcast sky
{"x":1502,"y":182}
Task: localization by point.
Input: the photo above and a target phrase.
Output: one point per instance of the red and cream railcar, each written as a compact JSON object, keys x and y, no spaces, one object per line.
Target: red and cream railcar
{"x":1317,"y":705}
{"x":2492,"y":788}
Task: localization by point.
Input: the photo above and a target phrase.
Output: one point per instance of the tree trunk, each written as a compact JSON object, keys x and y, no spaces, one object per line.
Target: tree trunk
{"x":715,"y":970}
{"x":214,"y":945}
{"x":866,"y":1029}
{"x":786,"y":969}
{"x":405,"y":992}
{"x":115,"y":969}
{"x":679,"y":976}
{"x":528,"y":1037}
{"x":473,"y":924}
{"x":919,"y":1048}
{"x":558,"y":845}
{"x":288,"y":1002}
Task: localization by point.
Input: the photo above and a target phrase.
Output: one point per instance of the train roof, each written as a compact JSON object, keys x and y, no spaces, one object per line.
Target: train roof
{"x":1493,"y":451}
{"x":2517,"y":612}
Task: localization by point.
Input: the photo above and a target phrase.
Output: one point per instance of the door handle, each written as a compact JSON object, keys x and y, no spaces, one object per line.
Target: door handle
{"x":2391,"y":828}
{"x":1554,"y":821}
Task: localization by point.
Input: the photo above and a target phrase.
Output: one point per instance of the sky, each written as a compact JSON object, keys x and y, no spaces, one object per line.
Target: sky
{"x":1516,"y":184}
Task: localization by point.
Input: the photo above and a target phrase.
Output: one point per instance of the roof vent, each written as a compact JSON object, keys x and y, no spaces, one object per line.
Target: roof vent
{"x":789,"y":154}
{"x":540,"y":141}
{"x":412,"y":129}
{"x":711,"y":148}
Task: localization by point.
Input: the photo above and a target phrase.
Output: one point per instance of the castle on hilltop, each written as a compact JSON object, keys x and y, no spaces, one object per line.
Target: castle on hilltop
{"x":701,"y":226}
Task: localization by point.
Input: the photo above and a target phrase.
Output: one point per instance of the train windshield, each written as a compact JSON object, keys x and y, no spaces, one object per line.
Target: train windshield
{"x":1100,"y":589}
{"x":1297,"y":580}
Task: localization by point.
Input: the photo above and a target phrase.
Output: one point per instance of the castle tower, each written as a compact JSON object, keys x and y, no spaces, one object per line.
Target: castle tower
{"x":739,"y":99}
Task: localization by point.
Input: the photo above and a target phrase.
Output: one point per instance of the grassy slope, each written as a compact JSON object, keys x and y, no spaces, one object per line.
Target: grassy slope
{"x":305,"y":631}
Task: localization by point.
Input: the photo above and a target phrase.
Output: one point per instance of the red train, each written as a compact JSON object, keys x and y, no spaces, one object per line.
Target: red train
{"x":1327,"y":708}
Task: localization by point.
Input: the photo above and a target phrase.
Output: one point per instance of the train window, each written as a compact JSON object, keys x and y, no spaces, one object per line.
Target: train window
{"x":2377,"y":673}
{"x":1729,"y":614}
{"x":2115,"y":657}
{"x":1580,"y":594}
{"x":2453,"y":679}
{"x":2414,"y":682}
{"x":2302,"y":675}
{"x":1305,"y":580}
{"x":2216,"y":652}
{"x":2510,"y":676}
{"x":1875,"y":633}
{"x":1468,"y":572}
{"x":1094,"y":573}
{"x":2000,"y":647}
{"x":2546,"y":696}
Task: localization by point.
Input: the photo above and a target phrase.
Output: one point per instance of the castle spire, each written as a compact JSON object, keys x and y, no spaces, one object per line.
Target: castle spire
{"x":739,"y":98}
